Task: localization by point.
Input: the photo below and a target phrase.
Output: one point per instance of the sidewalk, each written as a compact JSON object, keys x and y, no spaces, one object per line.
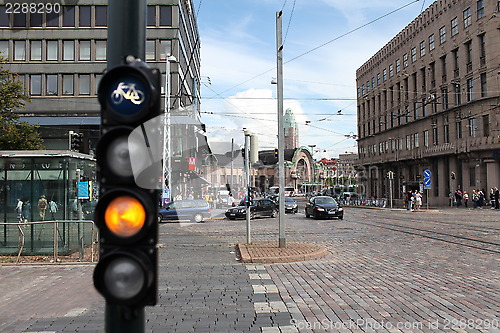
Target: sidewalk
{"x":270,"y":252}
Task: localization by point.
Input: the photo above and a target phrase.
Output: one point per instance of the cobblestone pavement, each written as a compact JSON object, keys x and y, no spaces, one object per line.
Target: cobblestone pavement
{"x":386,"y":271}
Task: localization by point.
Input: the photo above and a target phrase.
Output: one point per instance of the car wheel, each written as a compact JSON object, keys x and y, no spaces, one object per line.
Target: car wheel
{"x":159,"y":218}
{"x":315,"y":215}
{"x":274,"y":213}
{"x":307,"y":214}
{"x":341,"y":217}
{"x":197,"y":218}
{"x":252,"y":216}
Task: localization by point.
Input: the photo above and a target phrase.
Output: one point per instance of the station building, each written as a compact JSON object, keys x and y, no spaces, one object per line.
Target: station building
{"x":429,"y":100}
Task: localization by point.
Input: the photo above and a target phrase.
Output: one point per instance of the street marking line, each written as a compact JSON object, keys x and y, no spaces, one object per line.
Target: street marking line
{"x":257,"y":276}
{"x":265,"y":289}
{"x":256,"y":267}
{"x":280,"y":329}
{"x":75,"y":312}
{"x":270,"y":307}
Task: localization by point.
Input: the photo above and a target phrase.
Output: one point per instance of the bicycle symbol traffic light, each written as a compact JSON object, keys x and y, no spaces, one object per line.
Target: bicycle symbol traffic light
{"x":127,"y":214}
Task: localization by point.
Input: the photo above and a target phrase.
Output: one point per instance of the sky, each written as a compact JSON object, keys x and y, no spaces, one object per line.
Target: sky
{"x":324,"y":41}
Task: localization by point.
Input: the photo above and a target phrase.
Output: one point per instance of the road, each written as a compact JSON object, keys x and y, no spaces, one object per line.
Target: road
{"x":387,"y":271}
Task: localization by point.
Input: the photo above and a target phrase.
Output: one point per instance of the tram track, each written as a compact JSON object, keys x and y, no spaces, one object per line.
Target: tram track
{"x":435,"y":235}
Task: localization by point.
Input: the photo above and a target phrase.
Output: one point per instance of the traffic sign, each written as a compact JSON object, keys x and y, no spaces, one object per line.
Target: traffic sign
{"x":427,"y":173}
{"x":427,"y":181}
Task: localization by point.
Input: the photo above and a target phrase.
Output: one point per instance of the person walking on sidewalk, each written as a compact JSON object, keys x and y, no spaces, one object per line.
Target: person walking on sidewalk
{"x":466,"y":199}
{"x":417,"y":200}
{"x":496,"y":197}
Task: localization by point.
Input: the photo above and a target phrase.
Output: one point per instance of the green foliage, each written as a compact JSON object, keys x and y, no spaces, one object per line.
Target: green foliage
{"x":14,"y":133}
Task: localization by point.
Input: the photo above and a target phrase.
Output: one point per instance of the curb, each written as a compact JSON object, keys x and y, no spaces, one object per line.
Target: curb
{"x":269,"y":252}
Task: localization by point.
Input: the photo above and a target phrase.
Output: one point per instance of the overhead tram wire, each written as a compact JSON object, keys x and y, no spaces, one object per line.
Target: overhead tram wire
{"x":320,"y":46}
{"x":289,"y":21}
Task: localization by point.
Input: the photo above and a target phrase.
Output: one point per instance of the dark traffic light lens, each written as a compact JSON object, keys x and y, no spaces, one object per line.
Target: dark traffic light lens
{"x":118,"y":157}
{"x":124,"y":278}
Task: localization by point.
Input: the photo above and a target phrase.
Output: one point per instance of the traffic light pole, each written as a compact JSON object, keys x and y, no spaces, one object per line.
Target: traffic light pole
{"x":126,"y":36}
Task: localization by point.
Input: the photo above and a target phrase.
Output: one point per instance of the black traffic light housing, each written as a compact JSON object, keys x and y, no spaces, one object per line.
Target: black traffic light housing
{"x":126,"y":214}
{"x":76,"y":141}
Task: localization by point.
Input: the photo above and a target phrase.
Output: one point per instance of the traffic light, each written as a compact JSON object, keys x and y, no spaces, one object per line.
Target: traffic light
{"x":276,"y":153}
{"x":127,"y":214}
{"x":76,"y":140}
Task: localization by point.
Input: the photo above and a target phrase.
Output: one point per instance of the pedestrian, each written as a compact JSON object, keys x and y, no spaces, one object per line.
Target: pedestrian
{"x":408,"y":196}
{"x":496,"y":197}
{"x":42,"y":207}
{"x":26,"y":210}
{"x":19,"y":210}
{"x":230,"y":200}
{"x":417,"y":200}
{"x":458,"y":198}
{"x":475,"y":199}
{"x":466,"y":199}
{"x":480,"y":194}
{"x":52,"y":209}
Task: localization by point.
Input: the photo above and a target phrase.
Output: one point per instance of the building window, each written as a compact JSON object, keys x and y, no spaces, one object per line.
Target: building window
{"x":100,"y":50}
{"x":467,"y":18}
{"x":484,"y":90}
{"x":415,"y":140}
{"x":101,"y":16}
{"x":391,"y":70}
{"x":165,"y":48}
{"x":84,"y":84}
{"x":68,"y":16}
{"x":84,"y":50}
{"x":405,"y":60}
{"x":51,"y":84}
{"x":20,"y":20}
{"x":165,"y":16}
{"x":443,"y":68}
{"x":35,"y":85}
{"x":482,"y":51}
{"x":456,"y":70}
{"x":414,"y":54}
{"x":426,"y":138}
{"x":4,"y":18}
{"x":52,"y":50}
{"x":68,"y":84}
{"x":480,"y":9}
{"x":408,"y":142}
{"x":486,"y":125}
{"x":398,"y":65}
{"x":151,"y":16}
{"x":36,"y":50}
{"x":442,"y":35}
{"x":36,"y":19}
{"x":150,"y":50}
{"x":446,"y":133}
{"x":470,"y":88}
{"x":378,"y":79}
{"x":384,"y":74}
{"x":52,"y":19}
{"x":68,"y":50}
{"x":98,"y":78}
{"x":4,"y":48}
{"x":454,"y":26}
{"x":422,"y":48}
{"x":468,"y":55}
{"x":84,"y":16}
{"x":435,"y":138}
{"x":431,"y":42}
{"x":472,"y":176}
{"x":459,"y":129}
{"x":472,"y":127}
{"x":458,"y":99}
{"x":19,"y":50}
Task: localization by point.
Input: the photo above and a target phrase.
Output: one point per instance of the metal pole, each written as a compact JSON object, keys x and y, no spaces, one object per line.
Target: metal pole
{"x":126,"y":36}
{"x":247,"y":184}
{"x":281,"y":130}
{"x":232,"y":158}
{"x":167,"y":136}
{"x":390,"y":187}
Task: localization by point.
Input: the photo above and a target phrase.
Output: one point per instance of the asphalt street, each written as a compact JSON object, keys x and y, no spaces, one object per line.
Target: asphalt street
{"x":386,"y":271}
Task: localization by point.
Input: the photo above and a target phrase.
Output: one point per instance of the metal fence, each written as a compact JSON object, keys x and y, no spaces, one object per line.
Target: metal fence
{"x":50,"y":238}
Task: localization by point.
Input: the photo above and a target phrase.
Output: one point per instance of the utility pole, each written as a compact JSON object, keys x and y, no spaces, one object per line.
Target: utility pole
{"x":281,"y":130}
{"x":247,"y":183}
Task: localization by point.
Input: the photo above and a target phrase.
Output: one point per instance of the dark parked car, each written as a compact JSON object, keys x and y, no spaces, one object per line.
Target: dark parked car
{"x":324,"y":207}
{"x":258,"y":208}
{"x":194,"y":210}
{"x":291,"y":205}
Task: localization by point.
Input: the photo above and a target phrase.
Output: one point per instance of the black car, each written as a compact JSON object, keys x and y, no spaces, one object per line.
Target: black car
{"x":258,"y":208}
{"x":194,"y":210}
{"x":324,"y":207}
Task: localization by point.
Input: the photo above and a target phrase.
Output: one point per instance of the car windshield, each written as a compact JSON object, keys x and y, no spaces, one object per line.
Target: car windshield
{"x":288,"y":199}
{"x":323,"y":201}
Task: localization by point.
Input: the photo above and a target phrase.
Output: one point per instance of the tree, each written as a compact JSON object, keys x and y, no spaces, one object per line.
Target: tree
{"x":15,"y":134}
